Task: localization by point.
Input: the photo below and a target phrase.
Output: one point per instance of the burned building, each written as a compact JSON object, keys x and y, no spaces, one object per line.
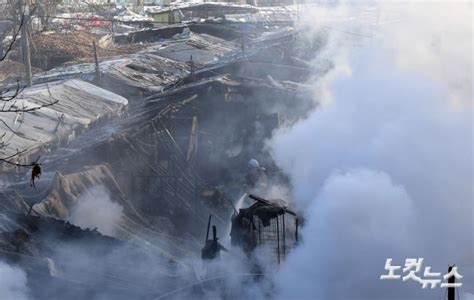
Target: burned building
{"x":267,"y":224}
{"x":199,"y":104}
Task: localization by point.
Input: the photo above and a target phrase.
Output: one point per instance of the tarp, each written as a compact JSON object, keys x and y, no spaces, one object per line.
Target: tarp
{"x":79,"y":105}
{"x":58,"y":194}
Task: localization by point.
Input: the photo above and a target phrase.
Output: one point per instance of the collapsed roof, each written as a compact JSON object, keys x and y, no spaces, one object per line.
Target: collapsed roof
{"x":168,"y":62}
{"x":153,"y":69}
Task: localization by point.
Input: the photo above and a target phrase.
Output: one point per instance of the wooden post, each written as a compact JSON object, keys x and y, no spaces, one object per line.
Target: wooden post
{"x":193,"y":140}
{"x":278,"y":238}
{"x":296,"y":229}
{"x":254,"y":237}
{"x":283,"y":235}
{"x":214,"y":232}
{"x":452,"y":281}
{"x":15,"y":24}
{"x":208,"y":226}
{"x":98,"y":76}
{"x":60,"y":120}
{"x":25,"y":45}
{"x":259,"y":232}
{"x":113,"y":32}
{"x":191,"y":63}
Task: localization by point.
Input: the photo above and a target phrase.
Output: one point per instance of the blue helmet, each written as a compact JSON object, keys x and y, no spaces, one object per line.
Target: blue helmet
{"x":253,"y":164}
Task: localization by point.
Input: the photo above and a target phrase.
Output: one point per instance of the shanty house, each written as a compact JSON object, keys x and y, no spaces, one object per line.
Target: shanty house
{"x":268,"y":224}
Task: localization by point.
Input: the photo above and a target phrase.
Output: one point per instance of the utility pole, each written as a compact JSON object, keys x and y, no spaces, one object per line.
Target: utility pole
{"x":98,"y":76}
{"x":25,"y":44}
{"x":113,"y":32}
{"x":451,"y":281}
{"x":278,"y":238}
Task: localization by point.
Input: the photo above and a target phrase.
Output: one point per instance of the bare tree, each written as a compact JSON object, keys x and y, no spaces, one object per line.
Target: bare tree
{"x":9,"y":104}
{"x":44,"y":9}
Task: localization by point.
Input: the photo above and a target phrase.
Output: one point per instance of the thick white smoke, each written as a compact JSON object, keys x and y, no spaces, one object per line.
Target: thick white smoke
{"x":12,"y":283}
{"x":384,"y":167}
{"x":95,"y":209}
{"x":468,"y":296}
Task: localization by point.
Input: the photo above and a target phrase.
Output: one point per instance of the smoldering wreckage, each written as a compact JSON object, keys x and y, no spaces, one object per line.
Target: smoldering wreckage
{"x":156,"y":160}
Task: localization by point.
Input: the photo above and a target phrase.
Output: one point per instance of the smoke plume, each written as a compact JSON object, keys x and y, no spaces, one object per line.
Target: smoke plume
{"x":384,"y":167}
{"x":95,"y":209}
{"x":13,"y":283}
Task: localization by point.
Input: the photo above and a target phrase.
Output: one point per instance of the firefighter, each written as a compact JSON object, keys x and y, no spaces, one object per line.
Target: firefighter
{"x":255,"y":177}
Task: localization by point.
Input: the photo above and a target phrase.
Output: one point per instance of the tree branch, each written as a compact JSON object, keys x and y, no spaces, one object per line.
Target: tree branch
{"x":15,"y":37}
{"x":11,"y":109}
{"x":30,"y":165}
{"x":18,"y":90}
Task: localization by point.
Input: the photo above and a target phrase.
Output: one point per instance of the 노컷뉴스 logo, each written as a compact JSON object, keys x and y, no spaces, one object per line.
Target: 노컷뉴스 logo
{"x":430,"y":279}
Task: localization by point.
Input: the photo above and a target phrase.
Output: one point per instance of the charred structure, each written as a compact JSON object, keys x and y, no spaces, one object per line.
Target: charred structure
{"x":266,"y":224}
{"x":165,"y":136}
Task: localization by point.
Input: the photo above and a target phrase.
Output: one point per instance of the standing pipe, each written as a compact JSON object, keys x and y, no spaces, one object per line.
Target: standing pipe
{"x":208,"y":226}
{"x":278,"y":238}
